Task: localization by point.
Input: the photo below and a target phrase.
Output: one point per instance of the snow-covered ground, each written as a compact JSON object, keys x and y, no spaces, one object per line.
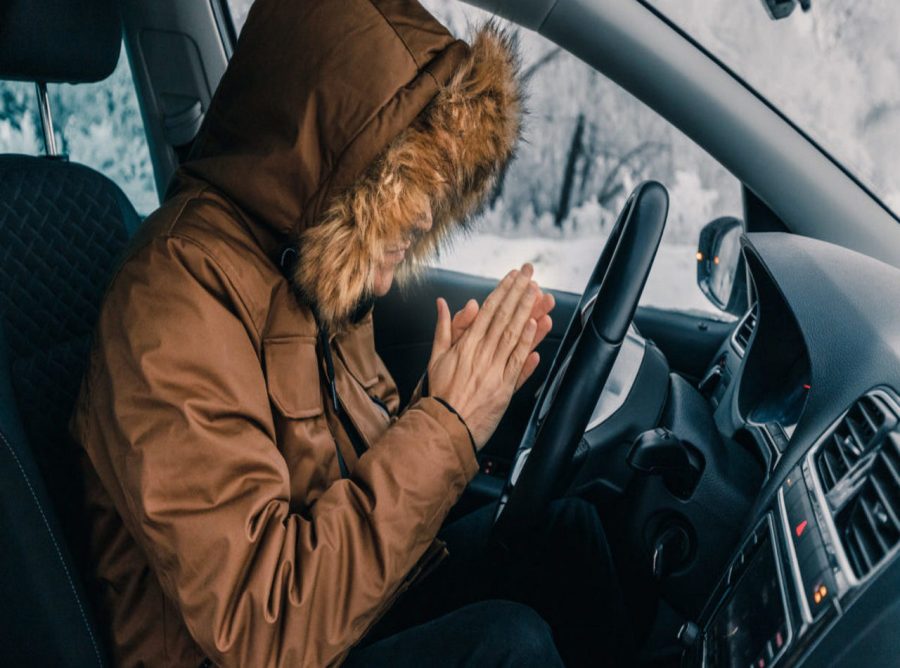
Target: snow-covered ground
{"x":566,"y":264}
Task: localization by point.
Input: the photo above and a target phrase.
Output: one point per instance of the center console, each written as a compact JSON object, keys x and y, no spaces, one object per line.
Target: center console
{"x":751,"y":625}
{"x":832,"y":526}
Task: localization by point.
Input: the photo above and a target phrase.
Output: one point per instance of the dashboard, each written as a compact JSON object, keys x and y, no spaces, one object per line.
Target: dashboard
{"x":784,"y":403}
{"x":808,"y":382}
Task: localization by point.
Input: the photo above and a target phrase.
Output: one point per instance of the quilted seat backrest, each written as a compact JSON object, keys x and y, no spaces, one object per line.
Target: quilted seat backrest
{"x":62,"y":229}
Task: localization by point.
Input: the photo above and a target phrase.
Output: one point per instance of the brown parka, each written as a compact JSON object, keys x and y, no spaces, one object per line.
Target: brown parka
{"x":223,"y":527}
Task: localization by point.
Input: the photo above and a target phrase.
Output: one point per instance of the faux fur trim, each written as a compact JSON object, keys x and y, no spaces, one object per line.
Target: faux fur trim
{"x":444,"y":164}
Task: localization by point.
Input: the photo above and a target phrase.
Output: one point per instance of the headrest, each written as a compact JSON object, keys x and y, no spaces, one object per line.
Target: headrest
{"x":59,"y":41}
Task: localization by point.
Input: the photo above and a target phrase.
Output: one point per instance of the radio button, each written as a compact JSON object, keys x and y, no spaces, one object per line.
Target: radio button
{"x":795,"y":476}
{"x":819,"y":591}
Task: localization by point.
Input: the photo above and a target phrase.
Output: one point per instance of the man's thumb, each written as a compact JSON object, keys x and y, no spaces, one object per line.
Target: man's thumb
{"x":442,"y":332}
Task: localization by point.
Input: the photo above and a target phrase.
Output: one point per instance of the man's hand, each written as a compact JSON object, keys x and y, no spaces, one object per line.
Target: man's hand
{"x":544,"y":303}
{"x":478,"y":373}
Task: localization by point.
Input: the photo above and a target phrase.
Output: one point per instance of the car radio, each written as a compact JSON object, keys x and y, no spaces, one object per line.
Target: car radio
{"x":752,"y":625}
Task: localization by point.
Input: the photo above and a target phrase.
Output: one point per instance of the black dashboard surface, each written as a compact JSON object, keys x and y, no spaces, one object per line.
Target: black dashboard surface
{"x":846,"y":309}
{"x":847,"y":306}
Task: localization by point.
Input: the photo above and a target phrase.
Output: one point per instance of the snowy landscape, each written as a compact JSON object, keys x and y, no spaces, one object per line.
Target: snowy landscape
{"x":587,"y":143}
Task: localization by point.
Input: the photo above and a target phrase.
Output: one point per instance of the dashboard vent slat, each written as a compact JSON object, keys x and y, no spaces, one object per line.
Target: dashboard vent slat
{"x":864,"y":425}
{"x":892,"y":460}
{"x":886,"y":503}
{"x":859,"y":463}
{"x":829,"y":469}
{"x":871,"y":421}
{"x":856,"y":550}
{"x":744,"y":330}
{"x":855,"y":441}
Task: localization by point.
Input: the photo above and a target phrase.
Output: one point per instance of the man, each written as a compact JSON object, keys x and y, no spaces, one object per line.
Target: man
{"x":258,"y":496}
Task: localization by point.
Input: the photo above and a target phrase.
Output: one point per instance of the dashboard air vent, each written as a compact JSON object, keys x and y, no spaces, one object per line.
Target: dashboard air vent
{"x":859,"y":431}
{"x":745,"y":329}
{"x":869,"y":522}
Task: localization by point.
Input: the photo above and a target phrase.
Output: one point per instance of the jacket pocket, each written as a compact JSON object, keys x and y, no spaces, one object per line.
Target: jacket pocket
{"x":292,"y":376}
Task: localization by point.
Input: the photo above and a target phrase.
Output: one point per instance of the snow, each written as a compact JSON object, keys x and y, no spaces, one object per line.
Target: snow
{"x":566,"y":264}
{"x":833,"y":70}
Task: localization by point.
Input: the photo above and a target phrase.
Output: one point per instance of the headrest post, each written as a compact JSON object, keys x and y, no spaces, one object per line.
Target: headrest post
{"x":46,"y":120}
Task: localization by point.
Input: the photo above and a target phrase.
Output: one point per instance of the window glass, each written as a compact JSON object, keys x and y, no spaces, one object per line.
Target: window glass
{"x":587,"y":144}
{"x":239,"y":9}
{"x":98,"y":125}
{"x":834,"y":70}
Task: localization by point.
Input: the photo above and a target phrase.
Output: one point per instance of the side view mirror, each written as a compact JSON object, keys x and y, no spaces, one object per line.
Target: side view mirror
{"x":719,"y":264}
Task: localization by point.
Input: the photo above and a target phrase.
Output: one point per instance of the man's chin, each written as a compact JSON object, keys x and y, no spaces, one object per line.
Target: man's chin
{"x":383,"y":282}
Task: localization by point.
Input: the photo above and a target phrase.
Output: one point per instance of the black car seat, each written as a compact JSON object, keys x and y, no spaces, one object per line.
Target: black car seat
{"x":62,"y":227}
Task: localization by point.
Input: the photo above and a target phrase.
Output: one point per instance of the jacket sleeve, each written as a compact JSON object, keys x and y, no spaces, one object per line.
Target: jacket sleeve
{"x":188,"y":432}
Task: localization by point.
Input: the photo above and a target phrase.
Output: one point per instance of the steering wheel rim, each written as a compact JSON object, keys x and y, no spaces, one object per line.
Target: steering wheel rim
{"x":583,"y":361}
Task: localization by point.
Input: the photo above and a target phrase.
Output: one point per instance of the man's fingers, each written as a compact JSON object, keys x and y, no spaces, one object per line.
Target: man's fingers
{"x":486,"y":313}
{"x":543,"y":306}
{"x":531,"y":363}
{"x":500,"y":326}
{"x":442,"y":331}
{"x":522,"y":350}
{"x":520,"y":317}
{"x":544,"y":325}
{"x":464,"y":319}
{"x":496,"y":299}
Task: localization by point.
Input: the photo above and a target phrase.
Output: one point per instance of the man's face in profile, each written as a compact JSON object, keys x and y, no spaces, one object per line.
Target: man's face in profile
{"x":395,"y":254}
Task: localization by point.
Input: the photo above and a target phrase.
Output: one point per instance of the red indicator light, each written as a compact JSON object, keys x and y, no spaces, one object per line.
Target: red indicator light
{"x":807,"y":386}
{"x":779,"y":639}
{"x":800,"y":528}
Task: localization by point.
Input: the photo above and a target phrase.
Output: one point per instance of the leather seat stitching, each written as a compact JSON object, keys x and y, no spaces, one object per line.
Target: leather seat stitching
{"x":55,"y":545}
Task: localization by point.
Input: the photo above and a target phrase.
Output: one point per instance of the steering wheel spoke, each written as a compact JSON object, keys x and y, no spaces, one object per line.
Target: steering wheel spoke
{"x":583,"y":361}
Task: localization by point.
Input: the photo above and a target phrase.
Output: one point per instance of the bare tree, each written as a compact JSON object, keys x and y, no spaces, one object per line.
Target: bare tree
{"x":576,"y":149}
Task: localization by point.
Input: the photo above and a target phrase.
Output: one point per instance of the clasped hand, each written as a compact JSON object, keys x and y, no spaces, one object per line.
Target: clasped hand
{"x":483,"y":355}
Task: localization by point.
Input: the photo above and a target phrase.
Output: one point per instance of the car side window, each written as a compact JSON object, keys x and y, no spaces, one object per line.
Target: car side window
{"x":98,"y":125}
{"x":587,"y":144}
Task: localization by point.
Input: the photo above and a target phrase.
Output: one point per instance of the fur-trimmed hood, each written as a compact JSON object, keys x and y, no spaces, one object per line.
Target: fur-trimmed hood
{"x":339,"y":125}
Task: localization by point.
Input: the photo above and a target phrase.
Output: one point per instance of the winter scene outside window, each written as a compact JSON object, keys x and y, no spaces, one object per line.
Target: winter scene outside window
{"x":98,"y":125}
{"x":587,"y":144}
{"x":825,"y":69}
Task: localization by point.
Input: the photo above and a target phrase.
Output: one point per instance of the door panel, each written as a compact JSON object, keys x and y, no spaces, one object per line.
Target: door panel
{"x":404,"y":329}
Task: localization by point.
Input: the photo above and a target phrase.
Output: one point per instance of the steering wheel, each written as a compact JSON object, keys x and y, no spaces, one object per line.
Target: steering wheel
{"x":583,"y":362}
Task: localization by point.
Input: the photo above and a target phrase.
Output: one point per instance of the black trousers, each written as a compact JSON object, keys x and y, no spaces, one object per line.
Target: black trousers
{"x":555,"y":591}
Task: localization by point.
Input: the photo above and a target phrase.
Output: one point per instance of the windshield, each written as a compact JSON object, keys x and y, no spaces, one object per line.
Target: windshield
{"x":834,"y":71}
